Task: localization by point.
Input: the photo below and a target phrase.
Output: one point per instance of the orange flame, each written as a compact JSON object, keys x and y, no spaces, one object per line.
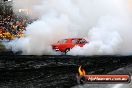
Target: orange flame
{"x":81,"y":71}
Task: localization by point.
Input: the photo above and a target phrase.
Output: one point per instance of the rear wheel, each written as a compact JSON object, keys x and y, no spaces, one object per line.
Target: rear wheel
{"x":67,"y":50}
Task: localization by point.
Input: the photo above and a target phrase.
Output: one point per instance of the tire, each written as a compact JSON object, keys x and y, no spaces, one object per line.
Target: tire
{"x":66,"y":51}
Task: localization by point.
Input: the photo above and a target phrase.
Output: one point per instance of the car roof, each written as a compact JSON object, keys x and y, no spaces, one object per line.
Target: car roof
{"x":74,"y":38}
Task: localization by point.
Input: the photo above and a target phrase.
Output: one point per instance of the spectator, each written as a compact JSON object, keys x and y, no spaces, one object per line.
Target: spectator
{"x":12,"y":25}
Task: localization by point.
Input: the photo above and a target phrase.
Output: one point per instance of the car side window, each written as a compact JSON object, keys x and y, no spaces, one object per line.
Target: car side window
{"x":62,"y":41}
{"x":82,"y":41}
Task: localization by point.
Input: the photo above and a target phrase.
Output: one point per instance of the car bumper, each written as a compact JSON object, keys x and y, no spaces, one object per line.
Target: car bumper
{"x":56,"y":49}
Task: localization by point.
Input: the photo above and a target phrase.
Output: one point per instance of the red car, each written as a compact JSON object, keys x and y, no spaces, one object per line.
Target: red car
{"x":66,"y":44}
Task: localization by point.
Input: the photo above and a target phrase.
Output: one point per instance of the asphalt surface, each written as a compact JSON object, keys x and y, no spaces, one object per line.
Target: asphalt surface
{"x":18,"y":71}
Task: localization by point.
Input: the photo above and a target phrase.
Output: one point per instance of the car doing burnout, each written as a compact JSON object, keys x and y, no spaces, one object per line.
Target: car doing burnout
{"x":66,"y":44}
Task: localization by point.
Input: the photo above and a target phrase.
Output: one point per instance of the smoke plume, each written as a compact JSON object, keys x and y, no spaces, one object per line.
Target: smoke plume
{"x":106,"y":24}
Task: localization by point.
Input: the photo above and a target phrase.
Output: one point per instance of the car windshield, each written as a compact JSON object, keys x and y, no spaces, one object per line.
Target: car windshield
{"x":62,"y":41}
{"x":74,"y":41}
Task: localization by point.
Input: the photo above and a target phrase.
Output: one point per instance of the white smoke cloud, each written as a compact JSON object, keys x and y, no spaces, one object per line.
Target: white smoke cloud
{"x":105,"y":23}
{"x":105,"y":38}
